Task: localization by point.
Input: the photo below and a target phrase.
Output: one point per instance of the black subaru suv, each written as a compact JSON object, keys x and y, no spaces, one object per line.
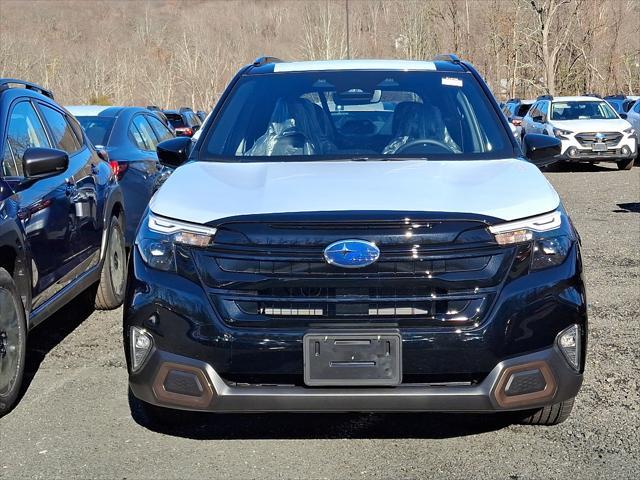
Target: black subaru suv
{"x":61,"y":222}
{"x":356,"y":235}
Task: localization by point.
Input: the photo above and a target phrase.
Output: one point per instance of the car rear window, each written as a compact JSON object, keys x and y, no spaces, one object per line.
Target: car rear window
{"x":523,"y":109}
{"x":175,"y":120}
{"x":98,"y":129}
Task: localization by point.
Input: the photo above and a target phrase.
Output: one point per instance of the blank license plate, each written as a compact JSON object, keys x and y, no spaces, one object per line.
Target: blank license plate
{"x":599,"y":147}
{"x":352,"y":358}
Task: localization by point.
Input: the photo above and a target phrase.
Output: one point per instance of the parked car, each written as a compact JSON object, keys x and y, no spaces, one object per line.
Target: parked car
{"x":633,"y":117}
{"x":201,"y":115}
{"x":129,"y":135}
{"x":589,"y":128}
{"x":411,"y":260}
{"x":61,"y":222}
{"x":515,"y":109}
{"x":184,"y":122}
{"x":620,"y":103}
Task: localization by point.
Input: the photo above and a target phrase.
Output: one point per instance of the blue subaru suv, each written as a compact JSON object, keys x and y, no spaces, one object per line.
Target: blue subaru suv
{"x":358,"y":235}
{"x":61,"y":222}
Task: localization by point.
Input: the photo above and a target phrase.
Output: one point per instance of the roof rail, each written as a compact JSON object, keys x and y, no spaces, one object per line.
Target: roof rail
{"x":545,"y":97}
{"x":185,"y":109}
{"x":447,"y":57}
{"x":258,"y":62}
{"x":592,"y":95}
{"x":6,"y":82}
{"x":515,"y":99}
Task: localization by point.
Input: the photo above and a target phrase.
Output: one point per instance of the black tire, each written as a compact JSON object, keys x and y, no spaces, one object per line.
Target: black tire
{"x":550,"y":415}
{"x":625,"y":164}
{"x":110,"y":292}
{"x":13,"y":342}
{"x":159,"y":417}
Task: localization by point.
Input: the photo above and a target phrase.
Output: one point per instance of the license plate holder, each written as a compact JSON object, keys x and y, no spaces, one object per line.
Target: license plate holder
{"x":371,"y":358}
{"x":599,"y":147}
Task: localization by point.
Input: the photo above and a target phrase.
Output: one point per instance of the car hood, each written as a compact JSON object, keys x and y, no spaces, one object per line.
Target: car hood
{"x":202,"y":192}
{"x":577,"y":126}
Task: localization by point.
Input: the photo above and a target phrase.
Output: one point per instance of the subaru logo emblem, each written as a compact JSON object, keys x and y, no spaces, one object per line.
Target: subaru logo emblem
{"x":600,"y":136}
{"x":351,"y":253}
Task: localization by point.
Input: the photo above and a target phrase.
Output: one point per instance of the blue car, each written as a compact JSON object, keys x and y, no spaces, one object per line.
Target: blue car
{"x":61,"y":222}
{"x":356,"y":235}
{"x":129,"y":136}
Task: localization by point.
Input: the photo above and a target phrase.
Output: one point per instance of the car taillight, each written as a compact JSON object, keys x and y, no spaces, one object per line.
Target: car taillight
{"x":516,"y":122}
{"x":184,"y":132}
{"x":118,"y":168}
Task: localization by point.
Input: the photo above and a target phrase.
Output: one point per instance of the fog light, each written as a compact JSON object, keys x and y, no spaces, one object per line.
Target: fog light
{"x":573,"y":151}
{"x":141,"y":344}
{"x":625,"y":151}
{"x":569,"y":343}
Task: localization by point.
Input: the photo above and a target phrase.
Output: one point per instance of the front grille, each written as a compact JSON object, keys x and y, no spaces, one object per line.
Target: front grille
{"x":275,"y":275}
{"x":588,"y":138}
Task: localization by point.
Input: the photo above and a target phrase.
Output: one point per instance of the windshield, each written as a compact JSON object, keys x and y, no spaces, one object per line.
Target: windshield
{"x":320,"y":115}
{"x":582,"y":110}
{"x":97,"y":129}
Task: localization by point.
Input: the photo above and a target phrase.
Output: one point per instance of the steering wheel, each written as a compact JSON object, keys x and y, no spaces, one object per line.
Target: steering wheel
{"x":424,"y":141}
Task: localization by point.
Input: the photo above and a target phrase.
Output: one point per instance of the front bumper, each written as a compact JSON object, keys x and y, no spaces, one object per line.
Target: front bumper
{"x":573,"y":151}
{"x":253,"y":368}
{"x":217,"y":395}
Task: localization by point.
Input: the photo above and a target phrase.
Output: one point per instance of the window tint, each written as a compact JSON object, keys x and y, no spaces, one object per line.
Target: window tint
{"x":148,"y":137}
{"x":175,"y":120}
{"x":25,"y":131}
{"x":636,"y":108}
{"x":162,"y":132}
{"x":523,"y":109}
{"x":63,"y":136}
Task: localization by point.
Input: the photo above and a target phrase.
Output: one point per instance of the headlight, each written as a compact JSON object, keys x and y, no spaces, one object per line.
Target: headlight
{"x":550,"y":235}
{"x":558,"y":132}
{"x":629,"y":131}
{"x":158,"y":237}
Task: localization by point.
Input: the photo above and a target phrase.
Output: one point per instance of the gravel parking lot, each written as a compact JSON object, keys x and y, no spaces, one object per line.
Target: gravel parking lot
{"x":74,"y":419}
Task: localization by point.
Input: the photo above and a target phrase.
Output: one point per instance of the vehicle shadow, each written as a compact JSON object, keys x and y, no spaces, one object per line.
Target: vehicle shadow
{"x":308,"y":426}
{"x":632,"y":207}
{"x":45,"y":337}
{"x":568,"y":167}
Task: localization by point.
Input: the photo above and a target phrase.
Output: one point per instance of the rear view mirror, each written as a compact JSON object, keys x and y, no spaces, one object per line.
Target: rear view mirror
{"x":174,"y":152}
{"x":541,"y":150}
{"x":38,"y":163}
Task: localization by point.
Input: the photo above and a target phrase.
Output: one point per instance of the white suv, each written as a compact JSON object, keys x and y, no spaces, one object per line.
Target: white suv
{"x":590,"y":130}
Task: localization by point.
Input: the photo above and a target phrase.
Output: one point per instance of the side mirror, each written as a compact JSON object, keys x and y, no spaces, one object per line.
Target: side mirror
{"x":623,"y":116}
{"x":541,"y":150}
{"x":38,"y":163}
{"x":173,"y":152}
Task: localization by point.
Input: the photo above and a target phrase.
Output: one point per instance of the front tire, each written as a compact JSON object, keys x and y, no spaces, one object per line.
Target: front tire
{"x":550,"y":415}
{"x":13,"y":342}
{"x":110,"y":293}
{"x":626,"y":164}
